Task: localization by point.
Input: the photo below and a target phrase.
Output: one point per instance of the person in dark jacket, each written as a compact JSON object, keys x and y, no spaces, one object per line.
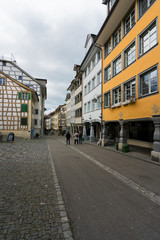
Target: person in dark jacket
{"x":68,"y":136}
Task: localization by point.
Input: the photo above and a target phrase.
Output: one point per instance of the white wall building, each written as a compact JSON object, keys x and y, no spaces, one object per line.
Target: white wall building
{"x":71,"y":88}
{"x":92,"y":89}
{"x":68,"y":112}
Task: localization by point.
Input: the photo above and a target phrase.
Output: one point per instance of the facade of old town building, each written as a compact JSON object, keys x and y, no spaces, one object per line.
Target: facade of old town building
{"x":68,"y":112}
{"x":91,"y":67}
{"x":18,"y":104}
{"x":130,"y":70}
{"x":11,"y":71}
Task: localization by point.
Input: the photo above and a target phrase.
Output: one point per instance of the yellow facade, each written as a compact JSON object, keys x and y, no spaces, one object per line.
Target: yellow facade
{"x":143,"y":107}
{"x":130,"y":39}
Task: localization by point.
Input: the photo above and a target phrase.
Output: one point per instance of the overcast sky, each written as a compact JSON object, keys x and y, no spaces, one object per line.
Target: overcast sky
{"x":47,"y":38}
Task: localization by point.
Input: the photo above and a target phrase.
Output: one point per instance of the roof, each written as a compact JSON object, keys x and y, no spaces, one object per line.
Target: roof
{"x":20,"y":84}
{"x":14,"y":63}
{"x":113,"y":19}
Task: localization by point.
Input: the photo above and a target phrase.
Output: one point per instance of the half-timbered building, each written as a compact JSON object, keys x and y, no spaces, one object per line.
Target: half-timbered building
{"x":11,"y":68}
{"x":17,"y":107}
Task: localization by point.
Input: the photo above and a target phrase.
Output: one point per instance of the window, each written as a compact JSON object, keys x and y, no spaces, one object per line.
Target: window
{"x":107,"y":48}
{"x":89,"y":87}
{"x":93,"y":62}
{"x":23,"y":121}
{"x":148,"y":38}
{"x":24,"y":108}
{"x":89,"y":104}
{"x":4,"y":63}
{"x":99,"y":77}
{"x":149,"y":82}
{"x":107,"y":100}
{"x":85,"y":108}
{"x":129,"y":21}
{"x":107,"y":73}
{"x":98,"y":102}
{"x":85,"y":90}
{"x":117,"y":95}
{"x":93,"y":83}
{"x":35,"y":121}
{"x":36,"y":111}
{"x":93,"y":105}
{"x":89,"y":68}
{"x":144,"y":5}
{"x":2,"y":81}
{"x":117,"y":37}
{"x":24,"y":96}
{"x":130,"y":90}
{"x":130,"y":55}
{"x":20,"y":77}
{"x":117,"y":66}
{"x":98,"y":56}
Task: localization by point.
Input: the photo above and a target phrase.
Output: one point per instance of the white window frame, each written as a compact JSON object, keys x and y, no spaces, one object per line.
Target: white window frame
{"x":149,"y":3}
{"x":107,"y":48}
{"x":142,"y":35}
{"x":129,"y":54}
{"x":129,"y":21}
{"x":116,"y":95}
{"x":25,"y":96}
{"x":117,"y":36}
{"x":99,"y":102}
{"x":93,"y":82}
{"x":107,"y":99}
{"x":107,"y":73}
{"x":93,"y":105}
{"x":129,"y":89}
{"x":99,"y":77}
{"x":150,"y":79}
{"x":117,"y":65}
{"x":2,"y":81}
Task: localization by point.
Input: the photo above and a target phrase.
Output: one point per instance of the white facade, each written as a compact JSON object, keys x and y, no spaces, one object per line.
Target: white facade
{"x":92,"y":89}
{"x":68,"y":111}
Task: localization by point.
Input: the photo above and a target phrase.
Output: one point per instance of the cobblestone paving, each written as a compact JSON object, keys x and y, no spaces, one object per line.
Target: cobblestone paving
{"x":28,"y":197}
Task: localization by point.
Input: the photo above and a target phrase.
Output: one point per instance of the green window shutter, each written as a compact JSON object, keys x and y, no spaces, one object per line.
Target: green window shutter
{"x":24,"y":108}
{"x":24,"y":121}
{"x":29,"y":96}
{"x":19,"y":95}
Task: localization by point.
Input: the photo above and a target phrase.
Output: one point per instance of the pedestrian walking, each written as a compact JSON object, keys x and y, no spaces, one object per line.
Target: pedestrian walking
{"x":80,"y":137}
{"x":76,"y":135}
{"x":68,"y":136}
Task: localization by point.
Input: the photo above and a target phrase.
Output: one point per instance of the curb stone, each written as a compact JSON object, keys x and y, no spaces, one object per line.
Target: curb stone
{"x":63,"y":214}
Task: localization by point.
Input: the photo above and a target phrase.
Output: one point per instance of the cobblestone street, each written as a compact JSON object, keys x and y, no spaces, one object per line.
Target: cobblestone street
{"x":29,"y":204}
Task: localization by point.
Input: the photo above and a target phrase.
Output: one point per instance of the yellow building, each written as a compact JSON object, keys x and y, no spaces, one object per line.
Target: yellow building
{"x":131,"y":100}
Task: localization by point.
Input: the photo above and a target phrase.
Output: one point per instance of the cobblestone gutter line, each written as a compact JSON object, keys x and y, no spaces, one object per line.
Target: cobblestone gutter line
{"x":63,"y":214}
{"x":145,"y":192}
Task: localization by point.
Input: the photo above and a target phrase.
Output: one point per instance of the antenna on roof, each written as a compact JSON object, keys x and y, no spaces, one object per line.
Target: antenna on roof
{"x":12,"y":58}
